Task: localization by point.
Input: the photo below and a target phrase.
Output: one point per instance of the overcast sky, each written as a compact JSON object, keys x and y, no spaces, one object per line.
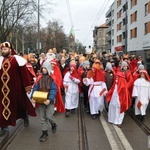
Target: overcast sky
{"x":85,"y":15}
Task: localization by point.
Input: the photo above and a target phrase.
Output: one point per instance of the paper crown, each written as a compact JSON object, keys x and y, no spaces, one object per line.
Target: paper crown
{"x":6,"y":44}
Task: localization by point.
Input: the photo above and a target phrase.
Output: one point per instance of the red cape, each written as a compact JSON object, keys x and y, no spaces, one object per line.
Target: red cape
{"x":59,"y":104}
{"x":123,"y":92}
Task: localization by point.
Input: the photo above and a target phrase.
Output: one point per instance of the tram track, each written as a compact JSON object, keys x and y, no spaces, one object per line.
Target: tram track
{"x":142,"y":125}
{"x":82,"y":134}
{"x":7,"y":138}
{"x":83,"y":142}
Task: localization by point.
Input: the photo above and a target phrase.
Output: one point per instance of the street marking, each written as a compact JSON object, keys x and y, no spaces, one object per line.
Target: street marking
{"x":123,"y":139}
{"x":109,"y":134}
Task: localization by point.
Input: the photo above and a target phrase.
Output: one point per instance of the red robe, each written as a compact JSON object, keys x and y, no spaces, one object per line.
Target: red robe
{"x":123,"y":92}
{"x":57,"y":77}
{"x":134,"y":63}
{"x":129,"y":78}
{"x":13,"y":98}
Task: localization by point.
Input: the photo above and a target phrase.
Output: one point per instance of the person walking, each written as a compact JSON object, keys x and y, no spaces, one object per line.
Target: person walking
{"x":45,"y":83}
{"x":119,"y":99}
{"x":141,"y":93}
{"x":97,"y":88}
{"x":15,"y":82}
{"x":70,"y":82}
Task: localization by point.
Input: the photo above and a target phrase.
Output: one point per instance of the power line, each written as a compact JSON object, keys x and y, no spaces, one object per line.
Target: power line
{"x":69,"y":11}
{"x":97,"y":19}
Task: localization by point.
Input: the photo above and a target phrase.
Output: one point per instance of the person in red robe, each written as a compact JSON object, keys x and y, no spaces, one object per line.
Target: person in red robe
{"x":119,"y":99}
{"x":128,"y":76}
{"x":15,"y":82}
{"x":57,"y":77}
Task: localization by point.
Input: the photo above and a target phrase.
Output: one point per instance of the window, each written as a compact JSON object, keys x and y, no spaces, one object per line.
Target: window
{"x":112,"y":13}
{"x":123,"y":35}
{"x":147,"y":8}
{"x":112,"y":32}
{"x":147,"y":27}
{"x":119,"y":14}
{"x":125,"y":7}
{"x":119,"y":26}
{"x":125,"y":21}
{"x":134,"y":17}
{"x":118,"y":3}
{"x":112,"y":22}
{"x":133,"y":33}
{"x":133,"y":3}
{"x":119,"y":38}
{"x":112,"y":42}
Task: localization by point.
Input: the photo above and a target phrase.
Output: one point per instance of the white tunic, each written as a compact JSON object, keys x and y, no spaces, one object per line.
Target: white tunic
{"x":141,"y":90}
{"x":96,"y":101}
{"x":114,"y":115}
{"x":71,"y":91}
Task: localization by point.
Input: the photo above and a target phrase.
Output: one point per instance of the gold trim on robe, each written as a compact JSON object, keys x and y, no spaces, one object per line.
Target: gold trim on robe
{"x":5,"y":89}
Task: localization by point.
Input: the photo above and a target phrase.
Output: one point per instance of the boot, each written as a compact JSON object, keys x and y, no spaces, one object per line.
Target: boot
{"x":44,"y":136}
{"x":73,"y":111}
{"x":26,"y":120}
{"x":67,"y":113}
{"x":94,"y":116}
{"x":3,"y":131}
{"x":138,"y":117}
{"x":54,"y":127}
{"x":143,"y":118}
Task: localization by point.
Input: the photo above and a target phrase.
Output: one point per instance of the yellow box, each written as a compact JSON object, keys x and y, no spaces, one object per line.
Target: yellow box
{"x":40,"y":96}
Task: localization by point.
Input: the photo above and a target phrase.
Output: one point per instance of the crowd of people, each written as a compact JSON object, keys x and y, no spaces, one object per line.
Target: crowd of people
{"x":107,"y":81}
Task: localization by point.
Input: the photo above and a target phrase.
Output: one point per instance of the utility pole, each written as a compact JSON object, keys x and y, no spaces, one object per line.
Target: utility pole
{"x":23,"y":42}
{"x":38,"y":40}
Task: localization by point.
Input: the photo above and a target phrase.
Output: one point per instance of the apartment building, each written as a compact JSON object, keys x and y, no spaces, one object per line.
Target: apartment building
{"x":128,"y":24}
{"x":99,"y":35}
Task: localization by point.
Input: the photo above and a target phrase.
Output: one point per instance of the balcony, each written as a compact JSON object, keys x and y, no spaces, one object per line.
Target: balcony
{"x":108,"y":38}
{"x":108,"y":29}
{"x":108,"y":20}
{"x":108,"y":13}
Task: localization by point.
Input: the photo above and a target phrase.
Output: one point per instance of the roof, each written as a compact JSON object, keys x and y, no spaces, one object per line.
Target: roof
{"x":103,"y":25}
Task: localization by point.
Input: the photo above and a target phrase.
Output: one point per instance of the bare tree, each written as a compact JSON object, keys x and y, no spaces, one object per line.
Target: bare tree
{"x":13,"y":13}
{"x":55,"y":36}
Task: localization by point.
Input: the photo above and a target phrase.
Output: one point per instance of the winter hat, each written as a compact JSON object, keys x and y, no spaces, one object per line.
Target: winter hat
{"x":108,"y":66}
{"x":47,"y":65}
{"x":140,"y":67}
{"x":85,"y":64}
{"x":124,"y":64}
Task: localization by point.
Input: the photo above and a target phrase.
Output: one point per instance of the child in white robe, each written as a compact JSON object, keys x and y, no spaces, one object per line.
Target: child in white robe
{"x":141,"y":92}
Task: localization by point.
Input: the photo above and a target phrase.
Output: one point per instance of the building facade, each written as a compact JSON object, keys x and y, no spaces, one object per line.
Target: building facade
{"x":128,"y":24}
{"x":99,"y":35}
